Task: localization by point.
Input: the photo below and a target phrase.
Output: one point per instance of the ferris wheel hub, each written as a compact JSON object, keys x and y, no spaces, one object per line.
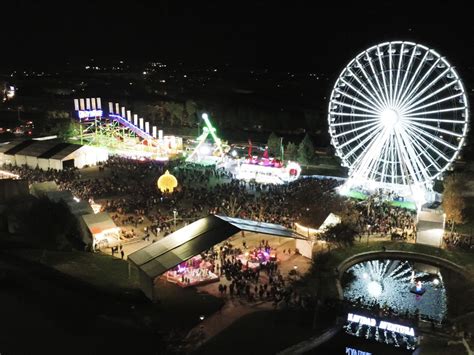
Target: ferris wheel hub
{"x":389,"y":118}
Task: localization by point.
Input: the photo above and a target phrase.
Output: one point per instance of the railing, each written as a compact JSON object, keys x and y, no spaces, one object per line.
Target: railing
{"x":132,"y":127}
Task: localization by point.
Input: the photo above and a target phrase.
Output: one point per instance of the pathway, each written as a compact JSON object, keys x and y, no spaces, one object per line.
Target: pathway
{"x":233,"y":309}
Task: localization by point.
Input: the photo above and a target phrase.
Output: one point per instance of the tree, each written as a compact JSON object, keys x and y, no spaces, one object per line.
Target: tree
{"x":319,"y":268}
{"x":291,"y":151}
{"x":306,"y":151}
{"x":341,"y":234}
{"x":349,"y":214}
{"x":273,"y":144}
{"x":53,"y":225}
{"x":313,"y":120}
{"x":191,"y":109}
{"x":453,"y":201}
{"x":68,"y":129}
{"x":233,"y":207}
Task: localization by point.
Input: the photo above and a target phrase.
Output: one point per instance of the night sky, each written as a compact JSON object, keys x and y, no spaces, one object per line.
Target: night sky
{"x":292,"y":36}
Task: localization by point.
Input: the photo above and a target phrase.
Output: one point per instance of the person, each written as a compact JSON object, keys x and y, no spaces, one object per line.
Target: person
{"x":384,"y":249}
{"x":122,"y":253}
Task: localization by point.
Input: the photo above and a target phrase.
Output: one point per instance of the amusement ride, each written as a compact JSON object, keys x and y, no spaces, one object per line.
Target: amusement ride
{"x":398,"y":118}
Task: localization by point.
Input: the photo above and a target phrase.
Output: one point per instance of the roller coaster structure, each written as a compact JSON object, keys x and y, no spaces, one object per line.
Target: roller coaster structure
{"x":122,"y":133}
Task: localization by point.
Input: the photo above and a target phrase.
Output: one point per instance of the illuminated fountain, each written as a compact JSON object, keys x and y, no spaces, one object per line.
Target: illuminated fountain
{"x":398,"y":285}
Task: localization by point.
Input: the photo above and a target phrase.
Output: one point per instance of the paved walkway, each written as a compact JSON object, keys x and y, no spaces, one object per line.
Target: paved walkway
{"x":307,"y":345}
{"x":232,"y":310}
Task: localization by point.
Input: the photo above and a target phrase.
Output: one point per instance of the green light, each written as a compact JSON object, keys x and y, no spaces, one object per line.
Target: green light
{"x":212,"y":130}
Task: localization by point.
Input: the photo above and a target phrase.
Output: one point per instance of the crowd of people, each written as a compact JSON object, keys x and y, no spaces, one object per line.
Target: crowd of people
{"x":377,"y":216}
{"x":453,"y":240}
{"x":262,"y":283}
{"x":127,"y":189}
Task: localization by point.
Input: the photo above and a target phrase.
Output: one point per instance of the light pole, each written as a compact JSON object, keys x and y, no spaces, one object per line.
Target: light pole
{"x":368,"y":232}
{"x":175,"y":214}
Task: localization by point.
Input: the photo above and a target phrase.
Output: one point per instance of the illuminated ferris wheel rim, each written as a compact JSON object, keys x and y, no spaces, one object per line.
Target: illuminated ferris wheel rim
{"x":398,"y":114}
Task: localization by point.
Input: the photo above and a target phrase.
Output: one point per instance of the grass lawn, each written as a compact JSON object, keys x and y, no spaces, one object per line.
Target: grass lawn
{"x":403,"y":204}
{"x":357,"y":195}
{"x":264,"y":332}
{"x":102,"y":271}
{"x":180,"y":307}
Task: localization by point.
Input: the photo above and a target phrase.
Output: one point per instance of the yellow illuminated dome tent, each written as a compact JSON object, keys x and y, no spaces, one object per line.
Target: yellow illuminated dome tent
{"x":167,"y":182}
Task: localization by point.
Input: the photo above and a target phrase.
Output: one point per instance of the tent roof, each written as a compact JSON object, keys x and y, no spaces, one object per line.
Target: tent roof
{"x":4,"y":147}
{"x":65,"y":151}
{"x":331,"y":219}
{"x":40,"y":188}
{"x":37,"y":148}
{"x":195,"y":238}
{"x":48,"y":149}
{"x":99,"y":222}
{"x":80,"y":208}
{"x":16,"y":147}
{"x":262,"y":227}
{"x":56,"y":196}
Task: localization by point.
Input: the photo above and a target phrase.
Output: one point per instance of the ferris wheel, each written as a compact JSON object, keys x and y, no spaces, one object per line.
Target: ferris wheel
{"x":398,"y":115}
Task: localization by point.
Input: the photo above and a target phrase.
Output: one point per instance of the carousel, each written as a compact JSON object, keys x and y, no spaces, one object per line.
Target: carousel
{"x":193,"y":272}
{"x":257,"y":257}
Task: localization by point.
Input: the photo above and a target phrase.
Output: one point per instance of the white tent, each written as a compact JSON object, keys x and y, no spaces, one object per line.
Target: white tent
{"x":77,"y":156}
{"x":330,"y":220}
{"x":30,"y":154}
{"x":8,"y":151}
{"x":103,"y":232}
{"x":430,"y":228}
{"x":50,"y":154}
{"x":6,"y":158}
{"x":305,"y":247}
